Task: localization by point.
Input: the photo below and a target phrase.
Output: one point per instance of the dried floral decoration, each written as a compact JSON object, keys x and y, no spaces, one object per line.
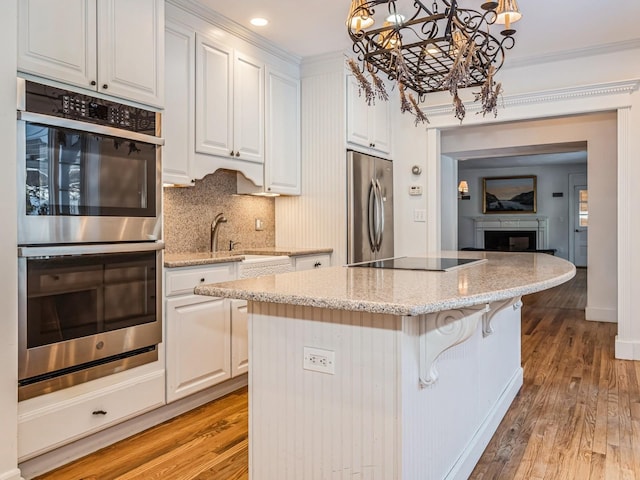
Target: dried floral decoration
{"x":363,"y":84}
{"x":378,"y":87}
{"x":489,"y":94}
{"x":417,"y":111}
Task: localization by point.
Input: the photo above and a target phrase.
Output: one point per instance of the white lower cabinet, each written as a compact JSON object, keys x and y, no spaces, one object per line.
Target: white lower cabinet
{"x":206,"y":337}
{"x":308,"y":262}
{"x":198,"y":344}
{"x":239,"y":338}
{"x":58,"y":418}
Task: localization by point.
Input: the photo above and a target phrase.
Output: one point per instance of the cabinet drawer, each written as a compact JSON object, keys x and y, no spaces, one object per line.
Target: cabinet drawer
{"x":183,"y":280}
{"x":60,"y":423}
{"x":309,"y":262}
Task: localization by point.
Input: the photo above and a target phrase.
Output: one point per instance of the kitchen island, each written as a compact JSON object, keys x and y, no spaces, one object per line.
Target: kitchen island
{"x":384,"y":374}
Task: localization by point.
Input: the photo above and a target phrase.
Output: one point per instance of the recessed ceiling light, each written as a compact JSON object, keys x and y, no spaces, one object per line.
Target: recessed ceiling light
{"x":259,"y":22}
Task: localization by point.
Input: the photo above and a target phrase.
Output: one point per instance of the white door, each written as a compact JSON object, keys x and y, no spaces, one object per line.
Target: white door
{"x":282,"y":165}
{"x":248,"y":108}
{"x":239,"y":338}
{"x":198,"y":344}
{"x":131,"y":50}
{"x":581,"y":223}
{"x":57,"y":40}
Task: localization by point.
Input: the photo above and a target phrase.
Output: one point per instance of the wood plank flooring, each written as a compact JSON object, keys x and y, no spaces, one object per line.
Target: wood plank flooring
{"x":576,"y":417}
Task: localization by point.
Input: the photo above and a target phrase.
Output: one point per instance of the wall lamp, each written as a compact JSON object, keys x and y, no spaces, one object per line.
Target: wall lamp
{"x":463,"y":190}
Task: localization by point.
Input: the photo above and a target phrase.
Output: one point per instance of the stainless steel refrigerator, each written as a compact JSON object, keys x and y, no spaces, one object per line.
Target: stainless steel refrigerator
{"x":370,"y":207}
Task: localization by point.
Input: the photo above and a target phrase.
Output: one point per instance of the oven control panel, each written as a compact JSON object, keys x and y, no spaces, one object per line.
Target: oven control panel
{"x":62,"y":103}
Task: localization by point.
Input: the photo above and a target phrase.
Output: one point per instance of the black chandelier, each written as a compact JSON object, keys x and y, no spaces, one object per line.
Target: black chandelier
{"x":440,"y":48}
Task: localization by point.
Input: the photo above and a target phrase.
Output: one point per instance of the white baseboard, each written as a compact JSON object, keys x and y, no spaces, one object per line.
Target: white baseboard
{"x":473,"y":451}
{"x":609,"y":315}
{"x":10,"y":475}
{"x":68,"y":453}
{"x":627,"y":350}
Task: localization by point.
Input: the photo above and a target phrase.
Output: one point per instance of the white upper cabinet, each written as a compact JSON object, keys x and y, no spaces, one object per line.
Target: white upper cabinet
{"x":111,"y":46}
{"x":282,"y":166}
{"x":229,"y":102}
{"x":178,"y":118}
{"x":368,"y":126}
{"x":131,"y":49}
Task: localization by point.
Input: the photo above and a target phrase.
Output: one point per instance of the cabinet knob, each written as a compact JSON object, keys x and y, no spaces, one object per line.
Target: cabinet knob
{"x":232,"y":153}
{"x":317,"y":264}
{"x":202,"y":280}
{"x":98,"y":412}
{"x":105,"y":86}
{"x":93,"y":83}
{"x":237,"y":154}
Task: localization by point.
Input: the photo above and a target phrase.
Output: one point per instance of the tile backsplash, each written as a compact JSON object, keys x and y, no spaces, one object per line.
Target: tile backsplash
{"x":189,"y":211}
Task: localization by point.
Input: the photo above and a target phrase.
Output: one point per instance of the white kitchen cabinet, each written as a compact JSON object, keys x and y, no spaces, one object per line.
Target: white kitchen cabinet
{"x":229,"y":102}
{"x":58,"y":418}
{"x":206,"y":337}
{"x":114,"y":47}
{"x":282,"y":142}
{"x":308,"y":262}
{"x":178,"y":118}
{"x":198,"y":344}
{"x":239,"y":338}
{"x":368,"y":126}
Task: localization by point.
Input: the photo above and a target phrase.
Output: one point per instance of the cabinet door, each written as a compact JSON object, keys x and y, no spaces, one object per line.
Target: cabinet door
{"x":131,"y":49}
{"x":214,"y":98}
{"x":57,"y":40}
{"x":357,"y":115}
{"x":380,"y":126}
{"x":248,"y":108}
{"x":177,"y":124}
{"x":239,"y":338}
{"x":309,"y":262}
{"x":198,"y":344}
{"x":282,"y":162}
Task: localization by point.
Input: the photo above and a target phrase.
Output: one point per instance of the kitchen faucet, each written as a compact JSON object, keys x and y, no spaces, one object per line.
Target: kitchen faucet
{"x":215,"y":226}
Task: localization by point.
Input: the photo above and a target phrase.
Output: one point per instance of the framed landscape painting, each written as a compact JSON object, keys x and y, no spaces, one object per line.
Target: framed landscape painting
{"x":509,"y":194}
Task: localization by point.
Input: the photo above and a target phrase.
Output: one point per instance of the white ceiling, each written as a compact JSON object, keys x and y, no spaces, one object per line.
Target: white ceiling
{"x":548,"y":26}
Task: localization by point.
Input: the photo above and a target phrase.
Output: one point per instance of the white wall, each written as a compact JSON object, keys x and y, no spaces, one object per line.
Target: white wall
{"x":550,"y":179}
{"x":8,"y":242}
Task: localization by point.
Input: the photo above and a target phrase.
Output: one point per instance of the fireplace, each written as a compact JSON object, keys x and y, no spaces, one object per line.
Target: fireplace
{"x":510,"y":240}
{"x":523,"y":233}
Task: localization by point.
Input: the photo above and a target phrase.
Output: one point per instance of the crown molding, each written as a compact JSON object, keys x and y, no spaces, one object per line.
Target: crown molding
{"x":211,"y":16}
{"x":604,"y":49}
{"x":547,"y":96}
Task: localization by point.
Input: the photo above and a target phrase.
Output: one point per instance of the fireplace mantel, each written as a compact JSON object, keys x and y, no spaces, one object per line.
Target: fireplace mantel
{"x":517,"y":223}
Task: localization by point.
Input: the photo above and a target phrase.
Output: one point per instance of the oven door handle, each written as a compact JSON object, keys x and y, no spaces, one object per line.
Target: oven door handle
{"x":88,"y":127}
{"x":57,"y":250}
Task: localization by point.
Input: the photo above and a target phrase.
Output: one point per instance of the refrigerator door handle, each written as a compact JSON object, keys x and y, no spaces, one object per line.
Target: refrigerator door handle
{"x":371,"y":215}
{"x":380,"y":216}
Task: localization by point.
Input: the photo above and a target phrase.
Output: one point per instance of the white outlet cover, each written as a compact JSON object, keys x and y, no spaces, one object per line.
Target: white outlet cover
{"x":319,"y":360}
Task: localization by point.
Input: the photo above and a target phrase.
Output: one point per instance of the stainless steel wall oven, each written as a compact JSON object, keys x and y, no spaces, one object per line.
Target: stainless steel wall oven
{"x":89,"y":235}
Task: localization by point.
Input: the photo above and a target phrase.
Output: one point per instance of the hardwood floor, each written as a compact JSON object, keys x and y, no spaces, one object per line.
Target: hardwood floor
{"x":576,"y":417}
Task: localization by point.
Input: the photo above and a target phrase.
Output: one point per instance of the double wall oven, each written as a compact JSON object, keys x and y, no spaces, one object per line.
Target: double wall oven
{"x":89,"y":237}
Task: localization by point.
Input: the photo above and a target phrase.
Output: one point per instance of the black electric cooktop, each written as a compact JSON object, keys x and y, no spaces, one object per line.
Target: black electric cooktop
{"x":438,"y":264}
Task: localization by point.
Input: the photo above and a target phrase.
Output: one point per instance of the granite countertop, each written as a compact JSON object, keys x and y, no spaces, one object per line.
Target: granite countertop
{"x":404,"y":292}
{"x":190,"y":259}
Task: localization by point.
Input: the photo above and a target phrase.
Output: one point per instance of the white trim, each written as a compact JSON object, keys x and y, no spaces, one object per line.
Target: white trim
{"x":11,"y":475}
{"x":472,"y":453}
{"x":625,"y":348}
{"x":594,"y":314}
{"x":548,"y":96}
{"x":434,"y":179}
